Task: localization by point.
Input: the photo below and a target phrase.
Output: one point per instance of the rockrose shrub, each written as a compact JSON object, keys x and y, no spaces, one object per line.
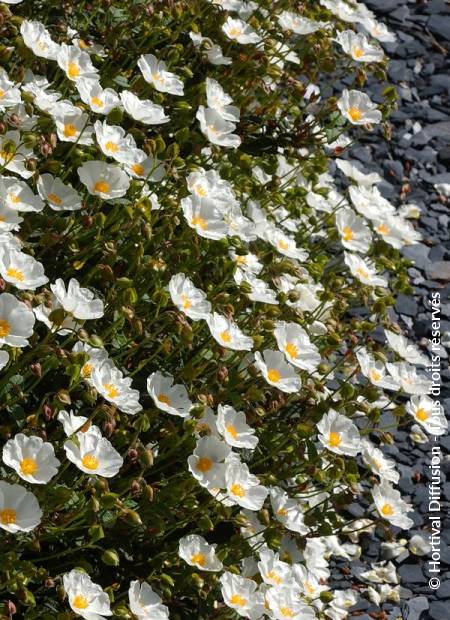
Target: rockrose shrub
{"x":196,"y":347}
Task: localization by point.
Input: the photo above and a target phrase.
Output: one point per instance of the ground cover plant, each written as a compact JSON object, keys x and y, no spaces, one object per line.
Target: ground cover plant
{"x":190,"y":399}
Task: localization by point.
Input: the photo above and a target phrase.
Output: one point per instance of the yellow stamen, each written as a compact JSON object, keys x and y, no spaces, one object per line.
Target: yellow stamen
{"x":383,"y":229}
{"x":274,"y":577}
{"x":375,"y":375}
{"x":97,"y":102}
{"x":55,"y":199}
{"x":363,"y":273}
{"x":282,"y":245}
{"x":422,"y":415}
{"x":102,"y":187}
{"x":5,"y":328}
{"x":238,"y":490}
{"x":90,"y":461}
{"x":28,"y":466}
{"x":80,"y":602}
{"x":73,"y":70}
{"x":358,"y":52}
{"x":8,"y":516}
{"x":70,"y":130}
{"x":198,"y":558}
{"x":111,"y":390}
{"x":200,"y":222}
{"x":15,"y":274}
{"x":86,"y":370}
{"x":291,"y":349}
{"x":138,"y":169}
{"x":334,"y":440}
{"x":347,"y":233}
{"x":273,"y":375}
{"x":387,"y":510}
{"x":355,"y":113}
{"x":14,"y":199}
{"x":200,"y":191}
{"x":225,"y":336}
{"x":204,"y":464}
{"x":111,"y":146}
{"x":287,"y":612}
{"x":163,"y":398}
{"x":231,"y":430}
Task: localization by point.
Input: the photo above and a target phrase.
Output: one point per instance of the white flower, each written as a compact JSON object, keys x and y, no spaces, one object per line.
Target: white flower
{"x":227,"y":333}
{"x":96,"y":357}
{"x":378,"y":30}
{"x":299,"y":24}
{"x":58,"y":195}
{"x":9,"y":92}
{"x":219,"y":100}
{"x":370,"y":203}
{"x":375,"y":371}
{"x":238,"y":30}
{"x":357,"y":107}
{"x":145,"y":604}
{"x":9,"y":218}
{"x":115,"y":142}
{"x":21,"y":269}
{"x":232,"y":425}
{"x":243,"y":487}
{"x":355,"y":234}
{"x":419,"y":546}
{"x":87,"y":599}
{"x":294,"y":342}
{"x":187,"y":298}
{"x":80,"y":302}
{"x":100,"y":100}
{"x":286,"y":245}
{"x":19,"y":509}
{"x":247,"y":262}
{"x":76,"y":63}
{"x":358,"y":47}
{"x":4,"y":359}
{"x":71,"y":422}
{"x":391,"y":506}
{"x":407,"y":377}
{"x":343,"y":600}
{"x":72,"y":125}
{"x":143,"y":110}
{"x":285,"y":602}
{"x":20,"y":197}
{"x":14,"y":159}
{"x":16,"y":321}
{"x":240,"y":594}
{"x":287,"y":511}
{"x":339,"y":434}
{"x":155,"y":73}
{"x":218,"y":130}
{"x":94,"y":454}
{"x":32,"y":458}
{"x":38,"y":39}
{"x":361,"y":177}
{"x":364,"y":270}
{"x":173,"y":399}
{"x":277,"y":372}
{"x":204,"y":217}
{"x":43,"y":312}
{"x":429,"y":414}
{"x":273,"y":571}
{"x":197,"y":552}
{"x":407,"y":350}
{"x":112,"y":385}
{"x":207,"y":462}
{"x":379,"y":464}
{"x":104,"y":180}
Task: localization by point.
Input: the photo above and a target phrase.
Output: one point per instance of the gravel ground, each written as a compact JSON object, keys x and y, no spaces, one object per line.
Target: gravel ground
{"x":411,"y":164}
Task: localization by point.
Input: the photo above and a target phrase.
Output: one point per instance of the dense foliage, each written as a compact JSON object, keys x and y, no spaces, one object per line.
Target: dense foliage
{"x":184,"y":359}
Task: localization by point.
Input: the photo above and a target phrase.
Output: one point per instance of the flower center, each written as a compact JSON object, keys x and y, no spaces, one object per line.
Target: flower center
{"x":358,"y":52}
{"x":73,"y":70}
{"x":282,"y":512}
{"x":8,"y":516}
{"x":422,"y":415}
{"x":200,"y":222}
{"x":15,"y":274}
{"x":186,"y":302}
{"x":111,"y":146}
{"x":102,"y":187}
{"x":80,"y":602}
{"x":70,"y":130}
{"x":55,"y":199}
{"x":97,"y":102}
{"x":5,"y":328}
{"x":204,"y":464}
{"x":363,"y":273}
{"x":90,"y":461}
{"x":291,"y":349}
{"x":2,"y":93}
{"x":138,"y":169}
{"x":282,"y":245}
{"x":225,"y":336}
{"x":383,"y":229}
{"x":237,"y":489}
{"x":347,"y":233}
{"x":234,"y":32}
{"x":86,"y":370}
{"x":28,"y":466}
{"x":273,"y":375}
{"x":231,"y":430}
{"x":334,"y":439}
{"x":375,"y":375}
{"x":198,"y":558}
{"x":14,"y":199}
{"x":355,"y":113}
{"x":238,"y":600}
{"x":163,"y":398}
{"x":200,"y":191}
{"x":111,"y":390}
{"x":287,"y":612}
{"x":387,"y":510}
{"x":274,"y":577}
